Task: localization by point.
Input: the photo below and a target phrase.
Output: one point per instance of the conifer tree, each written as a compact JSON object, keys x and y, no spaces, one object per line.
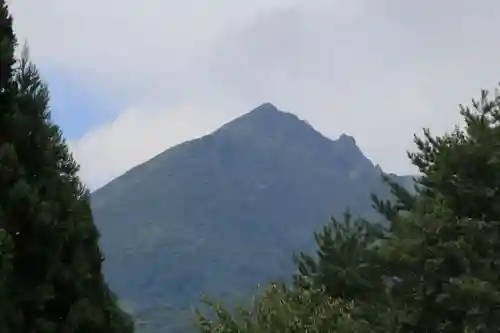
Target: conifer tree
{"x":443,"y":247}
{"x":283,"y":310}
{"x":345,"y":262}
{"x":51,"y":266}
{"x":7,"y":45}
{"x":346,"y":265}
{"x":441,"y":252}
{"x":447,"y":251}
{"x":342,"y":288}
{"x":7,"y":61}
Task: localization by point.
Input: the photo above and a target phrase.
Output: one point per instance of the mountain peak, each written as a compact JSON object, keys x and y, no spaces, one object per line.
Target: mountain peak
{"x":264,"y":119}
{"x":265,"y":107}
{"x":262,"y":183}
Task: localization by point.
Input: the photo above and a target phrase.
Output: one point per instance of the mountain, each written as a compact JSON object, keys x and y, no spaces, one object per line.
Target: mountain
{"x":220,"y":214}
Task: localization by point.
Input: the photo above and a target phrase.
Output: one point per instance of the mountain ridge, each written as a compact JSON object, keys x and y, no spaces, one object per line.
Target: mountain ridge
{"x":264,"y":109}
{"x":224,"y":212}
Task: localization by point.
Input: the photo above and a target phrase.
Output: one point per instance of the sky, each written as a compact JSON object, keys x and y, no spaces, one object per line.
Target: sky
{"x":129,"y":79}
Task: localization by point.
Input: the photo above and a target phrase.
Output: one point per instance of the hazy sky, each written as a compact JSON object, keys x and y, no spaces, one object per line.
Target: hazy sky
{"x":132,"y":78}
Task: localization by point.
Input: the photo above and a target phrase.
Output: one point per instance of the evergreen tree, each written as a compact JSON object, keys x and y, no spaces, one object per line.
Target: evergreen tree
{"x":6,"y":312}
{"x":7,"y":45}
{"x":345,"y":262}
{"x":340,"y":289}
{"x":447,"y":250}
{"x":8,"y":315}
{"x":51,"y":279}
{"x":346,"y":266}
{"x":283,"y":310}
{"x":441,"y":254}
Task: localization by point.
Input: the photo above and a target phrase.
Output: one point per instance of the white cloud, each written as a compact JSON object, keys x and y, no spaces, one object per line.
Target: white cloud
{"x":138,"y":134}
{"x":377,"y":70}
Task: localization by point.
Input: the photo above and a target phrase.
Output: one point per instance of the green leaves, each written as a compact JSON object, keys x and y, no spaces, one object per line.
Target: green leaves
{"x":283,"y":310}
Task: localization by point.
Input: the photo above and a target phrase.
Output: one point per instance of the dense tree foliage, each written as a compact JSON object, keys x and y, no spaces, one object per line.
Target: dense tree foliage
{"x":434,"y":269}
{"x":283,"y":310}
{"x":50,"y":262}
{"x":447,"y":250}
{"x":7,"y":43}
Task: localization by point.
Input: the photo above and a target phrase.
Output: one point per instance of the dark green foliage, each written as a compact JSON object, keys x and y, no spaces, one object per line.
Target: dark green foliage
{"x":223,"y":213}
{"x":7,"y":44}
{"x":7,"y":313}
{"x":345,"y":264}
{"x":447,"y":251}
{"x":50,"y":261}
{"x":284,"y":310}
{"x":439,"y":259}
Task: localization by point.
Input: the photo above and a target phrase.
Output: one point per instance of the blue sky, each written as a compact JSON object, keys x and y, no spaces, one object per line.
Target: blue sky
{"x":130,"y":79}
{"x":75,"y":106}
